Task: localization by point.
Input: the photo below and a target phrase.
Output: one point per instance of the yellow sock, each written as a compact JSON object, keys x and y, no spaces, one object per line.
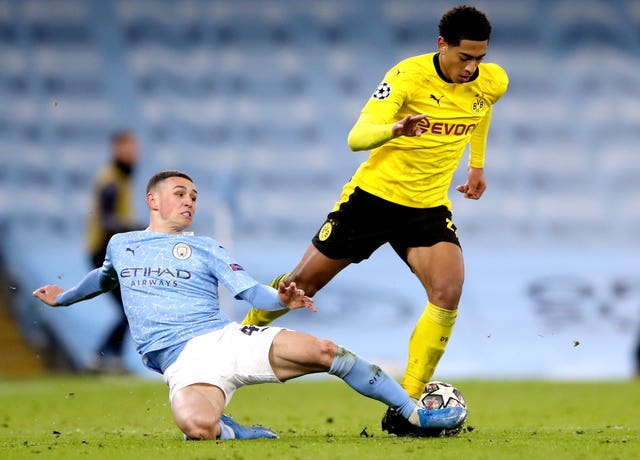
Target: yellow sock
{"x":426,"y":346}
{"x":259,"y":317}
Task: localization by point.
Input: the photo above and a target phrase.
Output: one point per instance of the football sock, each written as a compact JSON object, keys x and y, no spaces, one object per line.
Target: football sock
{"x":259,"y":317}
{"x":369,"y":380}
{"x":426,"y":346}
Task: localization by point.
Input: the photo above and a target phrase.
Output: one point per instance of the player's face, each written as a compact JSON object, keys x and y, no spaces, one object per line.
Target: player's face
{"x":126,"y":150}
{"x":460,"y":62}
{"x":175,"y":201}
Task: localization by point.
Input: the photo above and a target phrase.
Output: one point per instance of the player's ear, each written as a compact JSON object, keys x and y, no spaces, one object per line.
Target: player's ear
{"x":442,"y":45}
{"x":152,"y":201}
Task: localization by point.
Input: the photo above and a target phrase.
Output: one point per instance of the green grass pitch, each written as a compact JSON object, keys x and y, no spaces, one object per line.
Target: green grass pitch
{"x":128,"y":418}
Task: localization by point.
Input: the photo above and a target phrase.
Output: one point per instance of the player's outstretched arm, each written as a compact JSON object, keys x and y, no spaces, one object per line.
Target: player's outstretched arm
{"x":294,"y":298}
{"x":48,"y":294}
{"x":94,"y":283}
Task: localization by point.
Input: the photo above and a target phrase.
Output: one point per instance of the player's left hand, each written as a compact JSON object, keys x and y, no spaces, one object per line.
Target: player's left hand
{"x":476,"y":184}
{"x":294,"y":298}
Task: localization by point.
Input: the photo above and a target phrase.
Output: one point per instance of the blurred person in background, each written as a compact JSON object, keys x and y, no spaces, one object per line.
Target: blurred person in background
{"x":417,"y":125}
{"x":112,"y":212}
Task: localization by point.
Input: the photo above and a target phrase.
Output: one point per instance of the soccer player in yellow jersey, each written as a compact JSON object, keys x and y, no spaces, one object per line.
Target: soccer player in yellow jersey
{"x":417,"y":125}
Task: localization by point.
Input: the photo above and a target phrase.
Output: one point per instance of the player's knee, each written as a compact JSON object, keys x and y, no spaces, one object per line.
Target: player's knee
{"x":446,"y":294}
{"x":325,"y":351}
{"x":198,"y":427}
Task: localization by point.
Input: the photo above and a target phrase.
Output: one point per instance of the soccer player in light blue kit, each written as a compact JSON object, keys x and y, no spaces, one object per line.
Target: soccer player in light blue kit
{"x":169,"y":282}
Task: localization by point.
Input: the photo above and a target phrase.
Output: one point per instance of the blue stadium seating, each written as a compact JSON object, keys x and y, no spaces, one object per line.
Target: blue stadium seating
{"x":256,"y":98}
{"x":288,"y":78}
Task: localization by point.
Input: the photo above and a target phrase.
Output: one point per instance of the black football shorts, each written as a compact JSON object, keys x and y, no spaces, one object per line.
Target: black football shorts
{"x":365,"y":222}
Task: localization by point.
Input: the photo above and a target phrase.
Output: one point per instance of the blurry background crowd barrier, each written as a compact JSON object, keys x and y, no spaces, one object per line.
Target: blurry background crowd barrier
{"x":255,"y":98}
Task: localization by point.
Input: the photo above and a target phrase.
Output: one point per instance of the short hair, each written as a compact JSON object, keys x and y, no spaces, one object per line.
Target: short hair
{"x":162,"y":175}
{"x":464,"y":23}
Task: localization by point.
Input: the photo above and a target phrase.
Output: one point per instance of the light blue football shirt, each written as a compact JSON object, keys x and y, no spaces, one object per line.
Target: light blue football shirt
{"x":169,"y":285}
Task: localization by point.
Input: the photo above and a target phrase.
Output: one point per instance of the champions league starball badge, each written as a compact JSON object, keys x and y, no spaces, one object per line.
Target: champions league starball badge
{"x":382,"y":91}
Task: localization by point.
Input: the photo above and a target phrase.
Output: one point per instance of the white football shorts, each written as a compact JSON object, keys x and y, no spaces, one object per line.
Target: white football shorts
{"x":228,"y":358}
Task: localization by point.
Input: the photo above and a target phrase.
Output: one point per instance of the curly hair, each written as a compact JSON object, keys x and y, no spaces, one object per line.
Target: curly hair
{"x":464,"y":23}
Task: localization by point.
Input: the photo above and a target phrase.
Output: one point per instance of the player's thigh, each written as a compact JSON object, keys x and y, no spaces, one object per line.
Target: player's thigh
{"x":440,"y":269}
{"x":315,"y":270}
{"x":197,"y":408}
{"x":294,"y":354}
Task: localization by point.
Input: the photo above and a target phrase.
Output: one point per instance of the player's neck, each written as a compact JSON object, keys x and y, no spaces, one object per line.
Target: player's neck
{"x":440,"y":69}
{"x":165,"y":228}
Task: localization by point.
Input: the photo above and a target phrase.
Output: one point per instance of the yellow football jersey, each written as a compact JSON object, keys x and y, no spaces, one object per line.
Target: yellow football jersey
{"x":417,"y":171}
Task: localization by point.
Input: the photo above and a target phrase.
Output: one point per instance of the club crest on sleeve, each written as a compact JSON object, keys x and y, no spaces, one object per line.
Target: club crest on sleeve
{"x":382,"y":91}
{"x":236,"y":267}
{"x":182,"y":251}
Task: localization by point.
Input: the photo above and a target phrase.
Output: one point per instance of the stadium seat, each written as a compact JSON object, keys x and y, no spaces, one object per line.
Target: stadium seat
{"x":256,"y":99}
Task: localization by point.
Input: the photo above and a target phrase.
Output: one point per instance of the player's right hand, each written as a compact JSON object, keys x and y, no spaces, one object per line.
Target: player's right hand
{"x":409,"y":126}
{"x":295,"y":298}
{"x":48,"y":294}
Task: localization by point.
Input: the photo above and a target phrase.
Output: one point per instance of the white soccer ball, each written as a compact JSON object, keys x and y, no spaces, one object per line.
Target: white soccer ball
{"x":438,"y":395}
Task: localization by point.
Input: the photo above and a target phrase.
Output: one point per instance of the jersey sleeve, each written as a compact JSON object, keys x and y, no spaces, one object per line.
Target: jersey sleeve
{"x":96,"y":282}
{"x":478,"y":143}
{"x":496,"y":86}
{"x":262,"y":297}
{"x":497,"y":83}
{"x":366,"y":135}
{"x":228,"y":272}
{"x":375,"y":124}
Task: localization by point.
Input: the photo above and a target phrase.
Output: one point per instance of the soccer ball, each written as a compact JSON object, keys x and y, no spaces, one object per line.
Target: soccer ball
{"x":438,"y":395}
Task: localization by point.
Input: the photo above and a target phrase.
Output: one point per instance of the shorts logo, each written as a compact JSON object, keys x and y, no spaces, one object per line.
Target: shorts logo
{"x":382,"y":91}
{"x":182,"y":251}
{"x":248,"y":330}
{"x":451,"y":226}
{"x":325,"y":231}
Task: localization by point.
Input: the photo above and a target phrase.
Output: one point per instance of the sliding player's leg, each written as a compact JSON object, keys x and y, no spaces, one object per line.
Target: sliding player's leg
{"x":197,"y":410}
{"x":294,"y":354}
{"x":311,"y":274}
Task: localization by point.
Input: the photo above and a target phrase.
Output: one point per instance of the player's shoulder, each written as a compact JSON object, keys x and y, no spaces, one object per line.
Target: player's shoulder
{"x":142,"y":236}
{"x":494,"y":78}
{"x":414,"y":65}
{"x":202,"y":242}
{"x":494,"y":71}
{"x":120,"y":238}
{"x":206,"y":241}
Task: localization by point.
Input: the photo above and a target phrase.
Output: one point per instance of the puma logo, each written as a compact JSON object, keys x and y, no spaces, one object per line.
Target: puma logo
{"x":437,"y":99}
{"x":131,"y":251}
